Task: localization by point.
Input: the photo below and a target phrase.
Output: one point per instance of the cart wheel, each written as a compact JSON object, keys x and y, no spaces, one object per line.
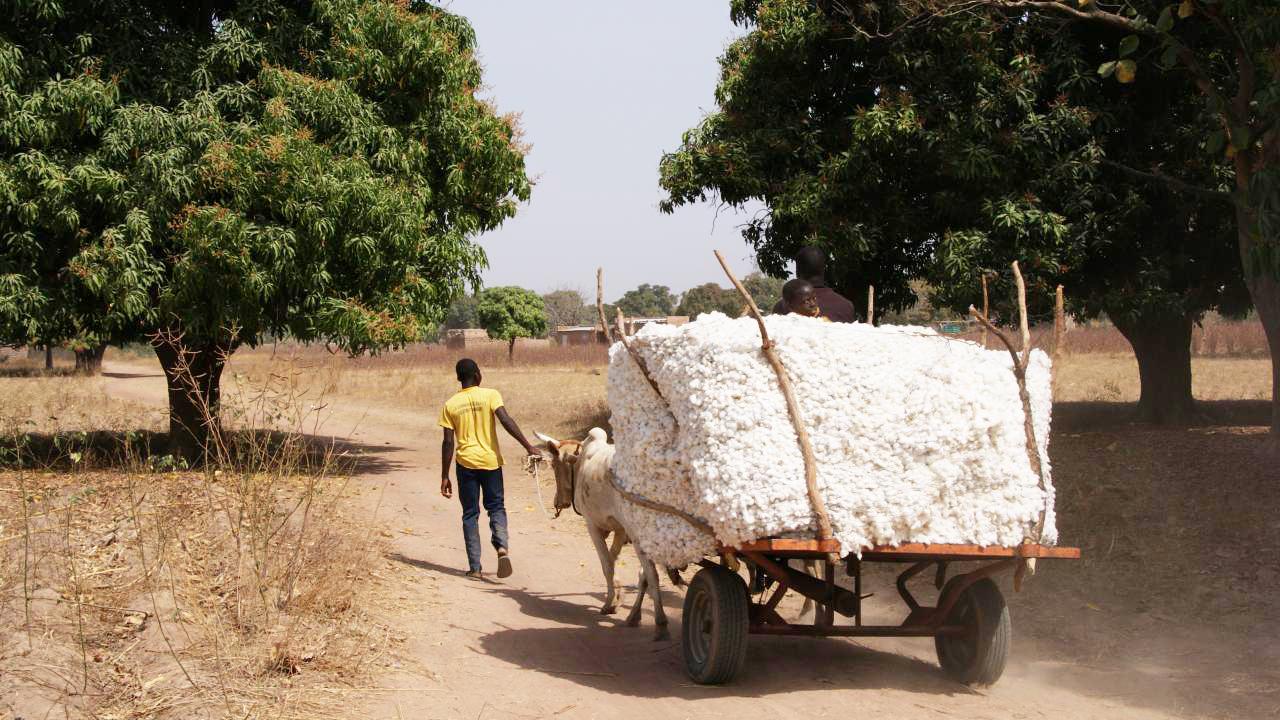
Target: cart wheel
{"x":714,"y":628}
{"x":978,"y":656}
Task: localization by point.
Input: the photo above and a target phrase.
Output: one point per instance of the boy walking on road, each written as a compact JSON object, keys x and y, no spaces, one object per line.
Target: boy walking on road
{"x":469,"y":424}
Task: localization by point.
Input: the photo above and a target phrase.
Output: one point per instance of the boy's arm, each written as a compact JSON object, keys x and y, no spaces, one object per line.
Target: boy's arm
{"x":446,"y":459}
{"x":514,"y":430}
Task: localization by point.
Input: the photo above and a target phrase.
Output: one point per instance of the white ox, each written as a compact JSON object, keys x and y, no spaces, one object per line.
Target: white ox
{"x":583,"y":482}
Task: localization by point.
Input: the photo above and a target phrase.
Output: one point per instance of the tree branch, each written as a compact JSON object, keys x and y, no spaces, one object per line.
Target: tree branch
{"x":1188,"y":58}
{"x":1093,"y":15}
{"x":1245,"y":66}
{"x":1172,"y":182}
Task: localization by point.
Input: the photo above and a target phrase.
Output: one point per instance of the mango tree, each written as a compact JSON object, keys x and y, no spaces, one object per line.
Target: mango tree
{"x":203,"y":176}
{"x":510,"y":313}
{"x":944,"y":150}
{"x":1229,"y":53}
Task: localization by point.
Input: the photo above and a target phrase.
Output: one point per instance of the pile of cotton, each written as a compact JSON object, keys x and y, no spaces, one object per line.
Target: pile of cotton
{"x":917,"y":437}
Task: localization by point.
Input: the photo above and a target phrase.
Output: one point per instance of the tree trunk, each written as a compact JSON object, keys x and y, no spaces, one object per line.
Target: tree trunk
{"x":89,"y":360}
{"x":194,"y":376}
{"x":1162,"y":345}
{"x":1264,"y":289}
{"x":511,"y":351}
{"x":48,"y":357}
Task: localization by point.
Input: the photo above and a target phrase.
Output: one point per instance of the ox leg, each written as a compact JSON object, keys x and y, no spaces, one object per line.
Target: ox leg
{"x":642,"y":586}
{"x":674,"y":575}
{"x":606,"y":565}
{"x":615,"y":549}
{"x":649,"y":581}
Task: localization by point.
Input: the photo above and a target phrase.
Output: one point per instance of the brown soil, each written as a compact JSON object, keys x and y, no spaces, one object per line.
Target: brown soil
{"x":1171,"y":613}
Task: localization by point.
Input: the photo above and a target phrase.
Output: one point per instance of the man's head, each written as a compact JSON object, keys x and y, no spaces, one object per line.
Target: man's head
{"x":468,"y":372}
{"x":798,"y":297}
{"x":811,"y":264}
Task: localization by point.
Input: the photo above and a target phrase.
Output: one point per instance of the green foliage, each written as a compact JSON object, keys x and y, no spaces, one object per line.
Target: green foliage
{"x":1227,"y":51}
{"x":872,"y":150}
{"x":567,"y":307}
{"x":507,"y":313}
{"x":647,"y":301}
{"x":710,"y":297}
{"x":946,"y":151}
{"x":462,"y":313}
{"x":764,"y":290}
{"x":315,"y":170}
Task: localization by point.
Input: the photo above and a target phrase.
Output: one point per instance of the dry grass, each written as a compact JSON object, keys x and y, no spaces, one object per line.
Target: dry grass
{"x":129,"y":588}
{"x":558,"y":400}
{"x":569,"y":399}
{"x":1114,"y":378}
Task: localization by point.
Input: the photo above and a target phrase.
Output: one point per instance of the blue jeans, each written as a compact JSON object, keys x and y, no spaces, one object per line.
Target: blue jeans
{"x":471,"y":485}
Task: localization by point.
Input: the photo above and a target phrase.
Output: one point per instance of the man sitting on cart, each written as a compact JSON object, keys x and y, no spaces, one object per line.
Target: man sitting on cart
{"x":811,"y":266}
{"x":798,"y":298}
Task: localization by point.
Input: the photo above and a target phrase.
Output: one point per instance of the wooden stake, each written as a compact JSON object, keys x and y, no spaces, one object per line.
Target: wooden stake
{"x":986,"y":307}
{"x":696,"y":522}
{"x":793,"y":409}
{"x":871,"y":304}
{"x":1059,"y":322}
{"x":1020,"y":373}
{"x":1022,"y":315}
{"x":1059,"y":332}
{"x":635,"y":355}
{"x":604,"y":322}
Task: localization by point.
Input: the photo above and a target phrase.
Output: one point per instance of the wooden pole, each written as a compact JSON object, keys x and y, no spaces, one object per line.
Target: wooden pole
{"x":1022,"y":315}
{"x":604,"y":322}
{"x":635,"y":355}
{"x":986,"y":307}
{"x":871,"y":304}
{"x":1059,"y":332}
{"x":1059,"y":321}
{"x":793,"y":410}
{"x":1020,"y":374}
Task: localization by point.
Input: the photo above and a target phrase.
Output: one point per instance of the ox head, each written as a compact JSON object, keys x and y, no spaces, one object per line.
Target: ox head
{"x":564,"y":455}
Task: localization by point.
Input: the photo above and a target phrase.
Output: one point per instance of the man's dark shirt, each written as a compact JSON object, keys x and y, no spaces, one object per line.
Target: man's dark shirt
{"x":831,"y":304}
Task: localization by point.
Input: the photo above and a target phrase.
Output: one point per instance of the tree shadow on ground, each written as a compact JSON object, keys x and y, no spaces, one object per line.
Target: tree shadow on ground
{"x":1087,"y":416}
{"x":140,"y":450}
{"x":131,"y":376}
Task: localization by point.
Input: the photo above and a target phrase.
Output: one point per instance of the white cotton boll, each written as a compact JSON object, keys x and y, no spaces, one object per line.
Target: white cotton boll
{"x":916,"y":437}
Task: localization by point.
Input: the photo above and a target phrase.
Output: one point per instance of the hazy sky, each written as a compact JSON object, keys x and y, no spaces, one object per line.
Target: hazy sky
{"x":604,"y":89}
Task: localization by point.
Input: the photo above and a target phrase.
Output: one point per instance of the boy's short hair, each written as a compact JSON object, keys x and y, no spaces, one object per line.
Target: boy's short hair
{"x":793,"y":289}
{"x":467,"y":370}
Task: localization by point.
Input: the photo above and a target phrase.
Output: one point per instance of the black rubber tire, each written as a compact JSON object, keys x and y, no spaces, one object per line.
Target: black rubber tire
{"x":713,"y":631}
{"x":979,"y":655}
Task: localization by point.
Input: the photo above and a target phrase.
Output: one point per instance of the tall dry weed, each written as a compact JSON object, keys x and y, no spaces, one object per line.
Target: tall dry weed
{"x":133,"y":586}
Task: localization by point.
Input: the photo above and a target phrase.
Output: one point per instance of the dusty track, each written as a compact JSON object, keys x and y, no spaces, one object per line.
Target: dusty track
{"x":535,"y":645}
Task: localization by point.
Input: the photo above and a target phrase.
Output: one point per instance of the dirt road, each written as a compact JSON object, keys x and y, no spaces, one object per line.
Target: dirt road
{"x":535,"y":645}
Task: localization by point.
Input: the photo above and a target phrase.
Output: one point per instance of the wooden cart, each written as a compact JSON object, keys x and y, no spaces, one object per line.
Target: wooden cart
{"x":970,"y":624}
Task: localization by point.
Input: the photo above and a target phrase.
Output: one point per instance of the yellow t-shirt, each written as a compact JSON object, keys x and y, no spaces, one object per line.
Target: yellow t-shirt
{"x":470,"y":414}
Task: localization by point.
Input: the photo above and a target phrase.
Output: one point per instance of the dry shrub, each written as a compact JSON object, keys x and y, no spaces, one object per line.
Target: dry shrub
{"x":137,"y":588}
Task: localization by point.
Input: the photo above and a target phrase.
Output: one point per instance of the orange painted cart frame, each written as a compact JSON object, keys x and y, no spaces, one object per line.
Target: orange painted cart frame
{"x":969,"y":622}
